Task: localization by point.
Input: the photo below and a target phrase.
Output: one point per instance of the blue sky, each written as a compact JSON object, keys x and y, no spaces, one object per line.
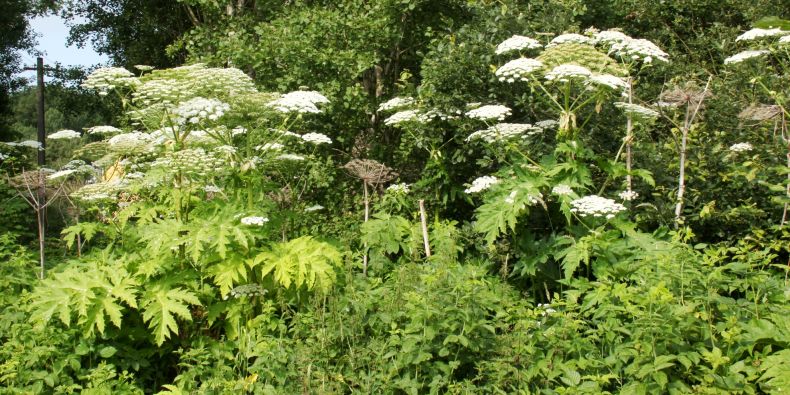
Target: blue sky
{"x":52,"y":33}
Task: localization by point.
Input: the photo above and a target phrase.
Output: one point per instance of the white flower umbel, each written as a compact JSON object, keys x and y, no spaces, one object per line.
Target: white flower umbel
{"x":638,"y":49}
{"x":481,"y":184}
{"x":609,"y":81}
{"x":167,"y":91}
{"x":784,"y":40}
{"x":143,"y":67}
{"x":315,"y":207}
{"x":517,"y":43}
{"x":401,"y":188}
{"x":104,"y":129}
{"x":301,"y":102}
{"x":292,"y":157}
{"x":628,"y":195}
{"x":504,"y":131}
{"x":27,"y":144}
{"x":199,"y":109}
{"x":518,"y":70}
{"x":547,"y":124}
{"x":608,"y":37}
{"x":741,"y":147}
{"x":226,"y":149}
{"x":396,"y":103}
{"x":65,"y":134}
{"x":401,"y":117}
{"x":566,"y":72}
{"x":238,"y":130}
{"x":759,"y":33}
{"x":741,"y":56}
{"x":596,"y":206}
{"x":61,"y":174}
{"x":212,"y":189}
{"x":254,"y":221}
{"x":270,"y":147}
{"x":494,"y":112}
{"x":316,"y":138}
{"x":129,"y":142}
{"x":570,"y":38}
{"x":562,"y":190}
{"x":637,"y":111}
{"x":106,"y":79}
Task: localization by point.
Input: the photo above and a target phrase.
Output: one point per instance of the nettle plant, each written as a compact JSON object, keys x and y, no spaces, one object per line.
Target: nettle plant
{"x":546,"y":172}
{"x":187,"y":200}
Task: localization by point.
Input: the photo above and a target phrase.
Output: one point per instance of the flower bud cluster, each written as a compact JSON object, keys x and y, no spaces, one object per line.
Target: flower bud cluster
{"x":301,"y":102}
{"x":396,"y":103}
{"x":128,"y":143}
{"x":504,"y":131}
{"x":104,"y":129}
{"x":566,"y":72}
{"x":65,"y":134}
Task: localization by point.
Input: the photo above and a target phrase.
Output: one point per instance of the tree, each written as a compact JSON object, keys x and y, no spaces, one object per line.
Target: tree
{"x":15,"y":35}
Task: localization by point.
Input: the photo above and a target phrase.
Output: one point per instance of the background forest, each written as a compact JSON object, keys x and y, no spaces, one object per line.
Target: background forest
{"x":400,"y":196}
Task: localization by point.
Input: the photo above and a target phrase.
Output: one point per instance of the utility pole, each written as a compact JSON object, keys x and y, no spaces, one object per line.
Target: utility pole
{"x":42,"y":133}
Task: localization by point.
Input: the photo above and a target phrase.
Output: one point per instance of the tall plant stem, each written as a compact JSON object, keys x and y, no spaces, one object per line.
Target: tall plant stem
{"x":629,"y":129}
{"x":424,"y":229}
{"x":367,"y":216}
{"x":687,"y":122}
{"x":786,"y":137}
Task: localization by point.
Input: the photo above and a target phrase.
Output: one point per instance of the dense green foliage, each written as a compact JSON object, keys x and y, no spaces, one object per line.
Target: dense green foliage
{"x":424,"y":211}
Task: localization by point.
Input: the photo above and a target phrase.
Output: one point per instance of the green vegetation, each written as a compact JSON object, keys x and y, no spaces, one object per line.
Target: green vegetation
{"x":405,"y":196}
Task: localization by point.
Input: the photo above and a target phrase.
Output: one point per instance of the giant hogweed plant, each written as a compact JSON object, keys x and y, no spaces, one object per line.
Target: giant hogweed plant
{"x":545,"y":163}
{"x":768,"y":45}
{"x":188,"y":198}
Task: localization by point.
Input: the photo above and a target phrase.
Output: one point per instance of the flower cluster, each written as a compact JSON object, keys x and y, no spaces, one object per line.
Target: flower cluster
{"x":61,"y":174}
{"x":189,"y":162}
{"x":566,"y":72}
{"x":99,"y":191}
{"x":638,"y":49}
{"x":401,"y":188}
{"x":165,"y":90}
{"x":129,"y":142}
{"x":481,"y":184}
{"x":301,"y":102}
{"x":396,"y":103}
{"x":759,"y":33}
{"x":570,"y":38}
{"x":108,"y":78}
{"x":212,"y":81}
{"x":27,"y":144}
{"x":741,"y":147}
{"x":637,"y":111}
{"x":247,"y":290}
{"x":609,"y":80}
{"x":199,"y":109}
{"x":254,"y":221}
{"x":402,"y":117}
{"x":143,"y":67}
{"x":212,"y":189}
{"x":609,"y":37}
{"x":596,"y":206}
{"x":65,"y":134}
{"x":270,"y":147}
{"x":315,"y":207}
{"x":504,"y":131}
{"x":562,"y":190}
{"x":741,"y":56}
{"x":103,"y":129}
{"x":628,"y":195}
{"x":517,"y":43}
{"x":494,"y":112}
{"x":316,"y":138}
{"x":518,"y":70}
{"x":292,"y":157}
